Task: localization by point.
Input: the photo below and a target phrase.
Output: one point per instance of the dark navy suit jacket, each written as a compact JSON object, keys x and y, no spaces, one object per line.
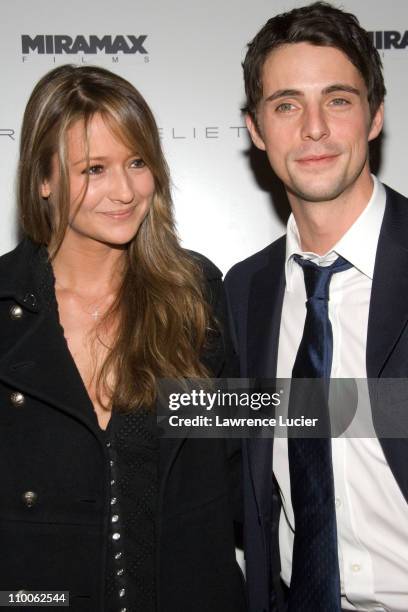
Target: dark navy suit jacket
{"x":255,"y":289}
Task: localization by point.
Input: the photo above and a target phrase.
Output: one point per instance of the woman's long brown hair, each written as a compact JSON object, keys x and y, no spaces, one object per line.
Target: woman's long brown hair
{"x":160,"y":307}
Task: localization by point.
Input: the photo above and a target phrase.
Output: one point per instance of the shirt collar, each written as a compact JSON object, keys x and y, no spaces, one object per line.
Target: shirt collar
{"x":364,"y":231}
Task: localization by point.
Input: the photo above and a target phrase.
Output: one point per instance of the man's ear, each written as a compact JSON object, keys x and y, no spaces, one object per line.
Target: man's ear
{"x":254,"y":132}
{"x":377,"y":122}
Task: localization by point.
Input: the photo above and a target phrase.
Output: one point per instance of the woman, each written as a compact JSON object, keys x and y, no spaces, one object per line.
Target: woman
{"x":98,"y":302}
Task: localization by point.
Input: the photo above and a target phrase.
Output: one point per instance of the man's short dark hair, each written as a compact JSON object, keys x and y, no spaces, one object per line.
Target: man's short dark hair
{"x":320,"y":24}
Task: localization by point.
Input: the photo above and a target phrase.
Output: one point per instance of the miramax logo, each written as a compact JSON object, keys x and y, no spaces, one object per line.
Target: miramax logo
{"x":58,"y":44}
{"x":389,"y":39}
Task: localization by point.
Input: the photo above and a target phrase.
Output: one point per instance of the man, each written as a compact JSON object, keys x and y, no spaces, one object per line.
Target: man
{"x":326,"y":522}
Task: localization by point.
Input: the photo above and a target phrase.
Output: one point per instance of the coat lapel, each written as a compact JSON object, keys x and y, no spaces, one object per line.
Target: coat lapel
{"x":40,"y":365}
{"x":34,"y":357}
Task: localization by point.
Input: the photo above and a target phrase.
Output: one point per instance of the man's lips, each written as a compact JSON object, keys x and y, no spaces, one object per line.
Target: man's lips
{"x":313,"y":159}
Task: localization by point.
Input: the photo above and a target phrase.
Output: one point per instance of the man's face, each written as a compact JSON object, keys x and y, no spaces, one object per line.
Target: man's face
{"x":314,"y":121}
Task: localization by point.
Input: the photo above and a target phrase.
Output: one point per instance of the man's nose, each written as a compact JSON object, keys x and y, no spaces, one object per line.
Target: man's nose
{"x":315,"y":125}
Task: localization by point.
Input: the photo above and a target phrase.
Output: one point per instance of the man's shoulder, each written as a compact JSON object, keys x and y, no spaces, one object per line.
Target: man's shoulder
{"x":243,"y":271}
{"x":396,"y":199}
{"x":395,"y":221}
{"x":394,"y":194}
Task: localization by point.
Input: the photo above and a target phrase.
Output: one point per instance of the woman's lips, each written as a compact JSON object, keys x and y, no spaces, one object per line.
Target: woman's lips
{"x":119,"y":214}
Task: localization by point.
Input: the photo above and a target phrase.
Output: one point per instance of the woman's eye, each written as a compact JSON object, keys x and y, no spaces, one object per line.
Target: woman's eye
{"x":138,"y":163}
{"x":97,"y":169}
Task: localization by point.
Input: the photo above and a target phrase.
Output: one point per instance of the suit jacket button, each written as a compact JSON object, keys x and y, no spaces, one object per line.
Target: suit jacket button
{"x":17,"y":399}
{"x":29,"y":498}
{"x":16,"y":312}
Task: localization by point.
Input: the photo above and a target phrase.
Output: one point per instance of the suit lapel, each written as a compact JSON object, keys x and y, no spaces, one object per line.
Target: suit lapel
{"x":264,"y":316}
{"x":388,"y":306}
{"x":388,"y":317}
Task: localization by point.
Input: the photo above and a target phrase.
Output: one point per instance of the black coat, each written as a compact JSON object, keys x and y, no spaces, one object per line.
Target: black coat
{"x":51,"y":446}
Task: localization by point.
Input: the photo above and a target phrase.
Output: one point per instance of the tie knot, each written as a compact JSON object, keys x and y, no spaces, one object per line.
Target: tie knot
{"x":317,"y":278}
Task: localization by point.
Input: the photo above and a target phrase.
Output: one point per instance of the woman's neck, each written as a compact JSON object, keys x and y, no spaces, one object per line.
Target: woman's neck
{"x":88,"y":267}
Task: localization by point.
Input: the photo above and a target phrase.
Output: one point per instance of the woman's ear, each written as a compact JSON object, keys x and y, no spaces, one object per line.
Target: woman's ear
{"x":45,"y":190}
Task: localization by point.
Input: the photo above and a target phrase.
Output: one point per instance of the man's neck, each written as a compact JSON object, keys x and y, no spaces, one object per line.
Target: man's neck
{"x":322,"y":224}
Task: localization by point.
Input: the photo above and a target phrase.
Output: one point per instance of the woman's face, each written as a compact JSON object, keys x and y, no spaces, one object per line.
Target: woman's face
{"x":120,"y":188}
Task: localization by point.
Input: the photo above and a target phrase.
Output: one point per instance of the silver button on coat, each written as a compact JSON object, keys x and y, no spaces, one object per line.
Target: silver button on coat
{"x":17,"y":398}
{"x":30,"y":498}
{"x":16,"y":312}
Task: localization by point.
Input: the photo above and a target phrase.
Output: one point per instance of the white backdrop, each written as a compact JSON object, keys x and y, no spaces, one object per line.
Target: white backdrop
{"x":191,"y":76}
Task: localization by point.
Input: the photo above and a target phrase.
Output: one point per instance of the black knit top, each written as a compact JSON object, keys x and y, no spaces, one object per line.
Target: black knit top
{"x":133,"y":449}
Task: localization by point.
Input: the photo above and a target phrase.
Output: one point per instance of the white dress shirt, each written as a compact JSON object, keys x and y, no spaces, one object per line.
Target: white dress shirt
{"x":371,"y":512}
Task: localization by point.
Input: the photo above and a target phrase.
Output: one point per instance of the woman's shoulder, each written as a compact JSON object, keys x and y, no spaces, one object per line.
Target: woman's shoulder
{"x":23,"y":252}
{"x":21,"y":267}
{"x":16,"y":261}
{"x":209,"y":269}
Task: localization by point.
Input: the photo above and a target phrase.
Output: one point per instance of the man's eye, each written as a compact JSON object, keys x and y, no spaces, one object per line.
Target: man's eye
{"x":339,"y":102}
{"x":285,"y":107}
{"x":97,"y":169}
{"x":138,"y":163}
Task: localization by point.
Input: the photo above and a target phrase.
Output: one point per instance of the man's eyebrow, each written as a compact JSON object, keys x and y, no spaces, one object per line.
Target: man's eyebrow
{"x":284,"y":93}
{"x":341,"y":87}
{"x":295,"y":93}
